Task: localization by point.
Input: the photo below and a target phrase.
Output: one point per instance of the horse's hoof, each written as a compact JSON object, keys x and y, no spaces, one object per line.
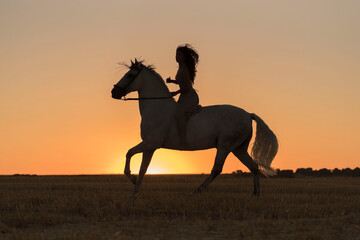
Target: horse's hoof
{"x":194,"y":193}
{"x":133,"y":179}
{"x":255,"y":194}
{"x":133,"y":195}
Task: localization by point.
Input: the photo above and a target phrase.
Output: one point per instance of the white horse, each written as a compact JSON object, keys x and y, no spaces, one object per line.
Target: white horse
{"x":225,"y":127}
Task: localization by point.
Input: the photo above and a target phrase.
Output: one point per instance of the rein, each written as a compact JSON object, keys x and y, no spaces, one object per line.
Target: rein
{"x":144,"y":98}
{"x":141,"y":98}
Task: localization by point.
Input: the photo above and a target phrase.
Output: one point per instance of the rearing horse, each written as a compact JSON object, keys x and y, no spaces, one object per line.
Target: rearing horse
{"x":225,"y":127}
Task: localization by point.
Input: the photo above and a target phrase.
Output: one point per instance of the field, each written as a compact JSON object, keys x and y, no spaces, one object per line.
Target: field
{"x":98,"y":207}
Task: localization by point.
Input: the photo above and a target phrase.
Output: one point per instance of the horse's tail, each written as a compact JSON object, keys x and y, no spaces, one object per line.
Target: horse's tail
{"x":265,"y":146}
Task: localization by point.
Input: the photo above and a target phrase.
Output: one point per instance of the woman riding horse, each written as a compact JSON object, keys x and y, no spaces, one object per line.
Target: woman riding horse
{"x":188,"y":58}
{"x":224,"y":127}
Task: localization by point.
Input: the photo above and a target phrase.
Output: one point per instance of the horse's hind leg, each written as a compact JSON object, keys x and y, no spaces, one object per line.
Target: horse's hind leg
{"x":242,"y":154}
{"x":217,"y":169}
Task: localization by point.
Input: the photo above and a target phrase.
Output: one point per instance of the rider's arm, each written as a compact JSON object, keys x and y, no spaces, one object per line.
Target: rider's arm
{"x":178,"y":91}
{"x":175,"y":93}
{"x":169,"y":80}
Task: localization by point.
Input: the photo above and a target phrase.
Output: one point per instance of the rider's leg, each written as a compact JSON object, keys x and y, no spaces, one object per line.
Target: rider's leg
{"x":186,"y":103}
{"x":181,"y":126}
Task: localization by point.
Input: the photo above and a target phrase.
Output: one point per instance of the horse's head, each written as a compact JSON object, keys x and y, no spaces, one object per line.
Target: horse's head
{"x":129,"y":82}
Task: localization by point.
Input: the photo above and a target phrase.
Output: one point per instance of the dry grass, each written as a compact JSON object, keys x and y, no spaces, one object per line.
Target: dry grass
{"x":98,"y":207}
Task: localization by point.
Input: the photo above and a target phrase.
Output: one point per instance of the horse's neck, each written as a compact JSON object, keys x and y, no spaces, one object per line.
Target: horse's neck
{"x":152,"y":87}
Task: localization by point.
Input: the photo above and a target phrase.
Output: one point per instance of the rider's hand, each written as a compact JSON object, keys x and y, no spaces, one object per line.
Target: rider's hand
{"x":168,"y":80}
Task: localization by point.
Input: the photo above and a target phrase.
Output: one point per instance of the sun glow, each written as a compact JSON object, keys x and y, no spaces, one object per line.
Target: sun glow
{"x":156,"y":170}
{"x":163,"y":162}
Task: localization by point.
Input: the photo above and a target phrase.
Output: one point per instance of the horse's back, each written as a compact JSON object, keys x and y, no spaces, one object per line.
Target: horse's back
{"x":205,"y":128}
{"x":221,"y":114}
{"x":225,"y":108}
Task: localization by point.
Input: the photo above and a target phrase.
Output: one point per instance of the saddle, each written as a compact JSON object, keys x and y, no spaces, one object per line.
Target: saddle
{"x":193,"y":111}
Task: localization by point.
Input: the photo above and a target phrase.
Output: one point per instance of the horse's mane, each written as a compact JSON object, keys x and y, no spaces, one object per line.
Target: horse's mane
{"x":149,"y":67}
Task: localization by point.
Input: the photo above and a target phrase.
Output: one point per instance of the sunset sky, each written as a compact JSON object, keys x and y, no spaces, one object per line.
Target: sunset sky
{"x":293,"y":63}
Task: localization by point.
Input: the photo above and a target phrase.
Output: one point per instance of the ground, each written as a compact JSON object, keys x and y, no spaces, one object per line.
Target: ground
{"x":99,"y":207}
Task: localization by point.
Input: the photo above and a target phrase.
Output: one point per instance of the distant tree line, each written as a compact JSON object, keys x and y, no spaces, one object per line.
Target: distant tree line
{"x":302,"y":172}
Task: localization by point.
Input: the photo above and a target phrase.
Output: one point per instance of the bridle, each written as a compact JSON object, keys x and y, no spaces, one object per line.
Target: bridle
{"x":140,"y":98}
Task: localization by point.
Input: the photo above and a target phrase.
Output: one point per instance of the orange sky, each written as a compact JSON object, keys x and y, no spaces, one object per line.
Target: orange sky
{"x":295,"y":64}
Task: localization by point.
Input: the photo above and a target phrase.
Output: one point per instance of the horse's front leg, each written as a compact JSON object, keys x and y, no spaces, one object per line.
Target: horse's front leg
{"x":127,"y":171}
{"x":147,"y":155}
{"x":141,"y":147}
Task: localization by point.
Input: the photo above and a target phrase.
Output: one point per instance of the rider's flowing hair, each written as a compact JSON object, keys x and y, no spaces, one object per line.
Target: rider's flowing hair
{"x":191,"y":58}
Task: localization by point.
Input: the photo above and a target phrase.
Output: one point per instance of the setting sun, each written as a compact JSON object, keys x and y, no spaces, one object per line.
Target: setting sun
{"x":163,"y":162}
{"x":156,"y":170}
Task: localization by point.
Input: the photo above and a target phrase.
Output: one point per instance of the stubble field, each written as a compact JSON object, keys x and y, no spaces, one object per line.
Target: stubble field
{"x":98,"y":207}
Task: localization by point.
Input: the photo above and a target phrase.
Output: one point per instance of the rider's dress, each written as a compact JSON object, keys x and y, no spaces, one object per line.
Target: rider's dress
{"x":189,"y":99}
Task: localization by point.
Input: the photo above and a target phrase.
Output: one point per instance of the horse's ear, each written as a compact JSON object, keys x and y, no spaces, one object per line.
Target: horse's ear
{"x":136,"y":61}
{"x":132,"y":63}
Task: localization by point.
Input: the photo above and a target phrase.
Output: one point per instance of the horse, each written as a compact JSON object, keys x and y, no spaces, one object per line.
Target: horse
{"x":225,"y":127}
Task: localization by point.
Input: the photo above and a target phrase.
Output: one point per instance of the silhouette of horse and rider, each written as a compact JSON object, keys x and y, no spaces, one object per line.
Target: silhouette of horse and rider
{"x":185,"y":125}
